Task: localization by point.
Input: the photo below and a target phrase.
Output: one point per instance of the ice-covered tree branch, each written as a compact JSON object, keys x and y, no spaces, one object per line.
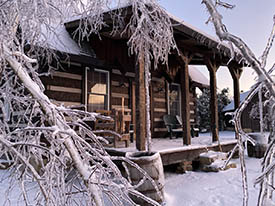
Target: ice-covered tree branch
{"x":265,"y":79}
{"x":53,"y":143}
{"x":56,"y":120}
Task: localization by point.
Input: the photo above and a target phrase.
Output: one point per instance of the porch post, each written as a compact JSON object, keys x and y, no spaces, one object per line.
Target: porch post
{"x":212,"y":67}
{"x":236,"y":71}
{"x":185,"y":98}
{"x":152,"y":108}
{"x":133,"y":106}
{"x":140,"y":105}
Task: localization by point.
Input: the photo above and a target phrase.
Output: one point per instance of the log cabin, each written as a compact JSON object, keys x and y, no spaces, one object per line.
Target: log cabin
{"x":100,"y":74}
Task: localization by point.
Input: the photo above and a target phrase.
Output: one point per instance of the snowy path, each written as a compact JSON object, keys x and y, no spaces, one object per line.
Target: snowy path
{"x":211,"y":189}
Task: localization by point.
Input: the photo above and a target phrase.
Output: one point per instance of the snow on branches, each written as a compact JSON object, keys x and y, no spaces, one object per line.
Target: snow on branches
{"x":50,"y":144}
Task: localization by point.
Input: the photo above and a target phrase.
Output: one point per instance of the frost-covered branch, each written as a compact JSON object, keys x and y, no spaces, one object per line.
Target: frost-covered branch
{"x":55,"y":120}
{"x":52,"y":144}
{"x":270,"y":41}
{"x":264,"y":79}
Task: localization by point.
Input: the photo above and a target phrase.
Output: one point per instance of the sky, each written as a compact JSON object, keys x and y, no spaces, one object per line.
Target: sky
{"x":251,"y":20}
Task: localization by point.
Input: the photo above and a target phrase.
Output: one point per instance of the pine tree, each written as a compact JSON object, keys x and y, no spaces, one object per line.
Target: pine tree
{"x":203,"y":107}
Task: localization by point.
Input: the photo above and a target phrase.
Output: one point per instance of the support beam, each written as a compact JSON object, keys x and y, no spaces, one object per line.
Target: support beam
{"x":185,"y":97}
{"x":152,"y":107}
{"x":140,"y":105}
{"x":236,"y":71}
{"x":212,"y":67}
{"x":133,"y":106}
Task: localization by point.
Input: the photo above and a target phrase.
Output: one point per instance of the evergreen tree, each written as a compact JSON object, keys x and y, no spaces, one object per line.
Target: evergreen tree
{"x":203,"y":107}
{"x":223,"y":100}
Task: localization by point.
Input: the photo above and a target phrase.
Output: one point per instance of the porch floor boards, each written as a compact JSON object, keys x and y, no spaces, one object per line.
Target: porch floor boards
{"x":172,"y":151}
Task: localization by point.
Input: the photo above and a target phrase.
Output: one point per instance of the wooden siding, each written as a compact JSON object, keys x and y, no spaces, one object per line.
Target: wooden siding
{"x":247,"y":122}
{"x":68,"y":88}
{"x":116,"y":52}
{"x":120,"y":88}
{"x":65,"y":85}
{"x":160,"y":107}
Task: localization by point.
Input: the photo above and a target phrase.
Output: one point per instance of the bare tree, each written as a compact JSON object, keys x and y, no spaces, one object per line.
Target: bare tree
{"x":51,"y":145}
{"x":238,"y":46}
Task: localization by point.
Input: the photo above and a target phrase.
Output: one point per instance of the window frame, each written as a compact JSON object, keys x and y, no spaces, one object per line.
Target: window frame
{"x":87,"y":90}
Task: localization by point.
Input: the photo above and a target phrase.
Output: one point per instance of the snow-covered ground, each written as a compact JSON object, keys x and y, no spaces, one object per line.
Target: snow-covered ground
{"x":190,"y":189}
{"x":212,"y":189}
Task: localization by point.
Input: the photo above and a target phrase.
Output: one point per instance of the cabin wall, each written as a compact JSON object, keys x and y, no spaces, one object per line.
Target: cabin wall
{"x":68,"y":85}
{"x":120,"y":88}
{"x":193,"y":106}
{"x":249,"y":124}
{"x":122,"y":67}
{"x":65,"y":85}
{"x":159,"y":106}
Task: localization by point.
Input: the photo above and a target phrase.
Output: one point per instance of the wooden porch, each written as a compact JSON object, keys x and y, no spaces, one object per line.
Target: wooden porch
{"x":172,"y":151}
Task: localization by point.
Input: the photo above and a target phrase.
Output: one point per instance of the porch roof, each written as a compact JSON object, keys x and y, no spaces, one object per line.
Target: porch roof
{"x":187,"y":37}
{"x":198,"y":77}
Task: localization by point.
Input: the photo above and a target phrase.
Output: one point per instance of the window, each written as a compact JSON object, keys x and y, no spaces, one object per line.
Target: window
{"x":174,"y":99}
{"x":98,"y":90}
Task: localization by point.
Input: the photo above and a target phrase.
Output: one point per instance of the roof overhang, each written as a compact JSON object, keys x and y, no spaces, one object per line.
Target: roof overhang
{"x":187,"y":37}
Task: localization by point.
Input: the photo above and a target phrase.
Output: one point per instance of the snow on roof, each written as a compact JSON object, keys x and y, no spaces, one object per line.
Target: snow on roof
{"x":203,"y":36}
{"x":181,"y":22}
{"x":197,"y":76}
{"x":57,"y":38}
{"x":231,"y":106}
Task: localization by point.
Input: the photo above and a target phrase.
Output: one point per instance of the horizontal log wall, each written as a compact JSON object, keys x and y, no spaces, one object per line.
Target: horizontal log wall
{"x":65,"y":86}
{"x":120,"y":88}
{"x":160,"y":105}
